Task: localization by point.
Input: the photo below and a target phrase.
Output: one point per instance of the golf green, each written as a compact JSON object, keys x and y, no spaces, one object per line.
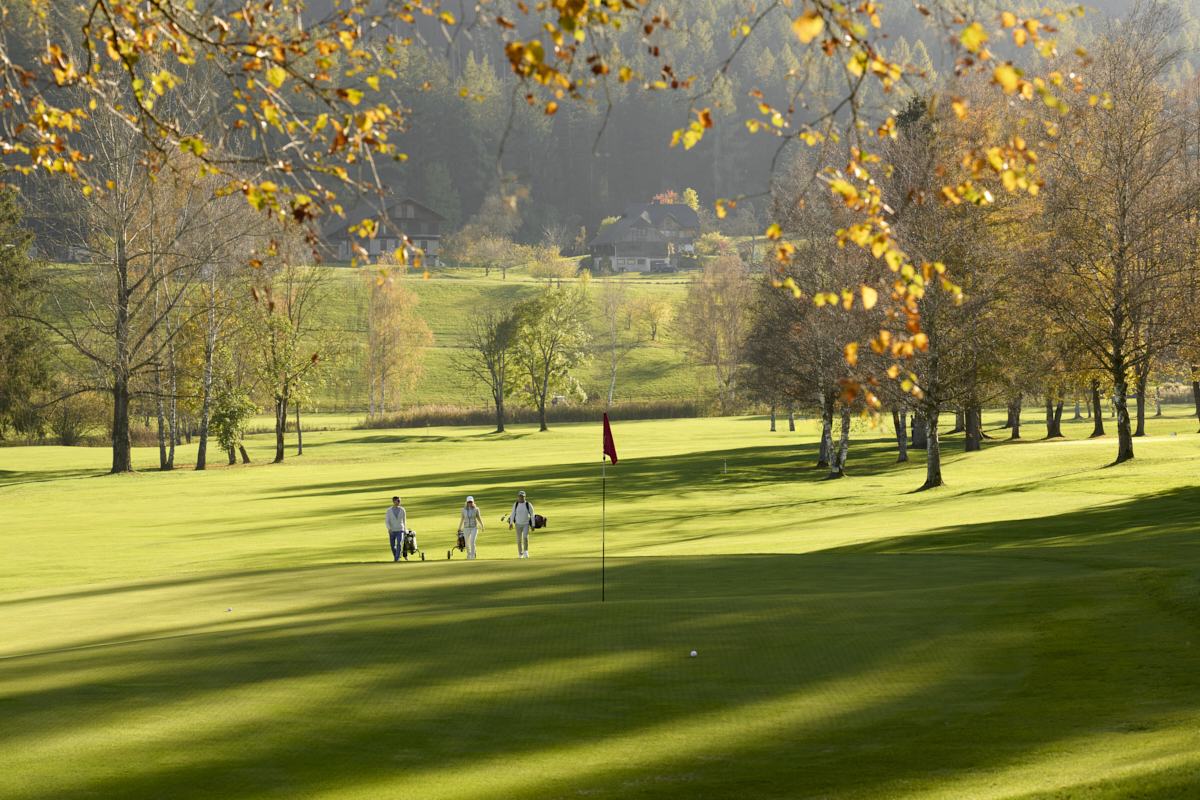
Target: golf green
{"x":1028,"y":631}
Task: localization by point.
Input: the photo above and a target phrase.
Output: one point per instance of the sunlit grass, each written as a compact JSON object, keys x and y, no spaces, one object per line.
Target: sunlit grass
{"x":1029,"y":630}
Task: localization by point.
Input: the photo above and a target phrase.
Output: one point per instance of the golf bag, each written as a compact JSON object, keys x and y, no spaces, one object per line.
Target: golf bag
{"x":539,"y":521}
{"x":409,"y":546}
{"x":462,"y":545}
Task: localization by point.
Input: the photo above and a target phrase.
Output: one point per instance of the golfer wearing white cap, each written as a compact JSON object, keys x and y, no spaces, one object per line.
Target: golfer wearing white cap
{"x":470,"y":525}
{"x":522,"y":517}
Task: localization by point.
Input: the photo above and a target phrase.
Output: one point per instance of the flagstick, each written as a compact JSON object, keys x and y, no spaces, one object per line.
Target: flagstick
{"x":603,"y":501}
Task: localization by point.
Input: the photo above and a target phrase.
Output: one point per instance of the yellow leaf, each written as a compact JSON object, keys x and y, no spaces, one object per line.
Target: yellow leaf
{"x":446,"y":17}
{"x":373,"y":82}
{"x":808,"y":25}
{"x":996,"y":158}
{"x":960,"y":106}
{"x":625,"y":75}
{"x":1008,"y":19}
{"x":1020,"y":37}
{"x":973,"y":37}
{"x":921,"y":341}
{"x":551,"y":107}
{"x":1007,"y":77}
{"x":869,"y":297}
{"x":774,"y":232}
{"x":893,"y":371}
{"x":852,"y":353}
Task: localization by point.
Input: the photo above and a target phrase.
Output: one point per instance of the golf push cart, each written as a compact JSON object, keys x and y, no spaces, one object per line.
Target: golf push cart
{"x":409,"y":546}
{"x":462,"y":545}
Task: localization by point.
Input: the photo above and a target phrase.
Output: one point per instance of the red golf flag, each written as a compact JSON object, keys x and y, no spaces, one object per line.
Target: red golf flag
{"x":610,"y":449}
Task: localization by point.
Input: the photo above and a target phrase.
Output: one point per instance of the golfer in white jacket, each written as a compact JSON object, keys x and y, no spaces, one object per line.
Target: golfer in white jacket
{"x":522,"y":517}
{"x":396,"y":521}
{"x":470,"y":525}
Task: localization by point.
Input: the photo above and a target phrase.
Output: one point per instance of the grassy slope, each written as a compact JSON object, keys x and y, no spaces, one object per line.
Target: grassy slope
{"x":655,"y":371}
{"x":1028,"y":631}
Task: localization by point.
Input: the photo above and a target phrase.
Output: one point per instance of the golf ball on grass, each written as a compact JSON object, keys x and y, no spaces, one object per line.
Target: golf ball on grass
{"x":693,"y":654}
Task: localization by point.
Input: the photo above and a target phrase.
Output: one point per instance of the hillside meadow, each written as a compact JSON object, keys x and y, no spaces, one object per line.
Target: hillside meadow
{"x":654,"y":370}
{"x":1029,"y":631}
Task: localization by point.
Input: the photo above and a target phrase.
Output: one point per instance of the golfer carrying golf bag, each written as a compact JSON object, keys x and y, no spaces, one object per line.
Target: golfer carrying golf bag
{"x":522,"y":518}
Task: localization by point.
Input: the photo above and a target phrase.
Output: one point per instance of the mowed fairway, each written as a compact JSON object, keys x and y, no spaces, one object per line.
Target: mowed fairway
{"x":1029,"y":631}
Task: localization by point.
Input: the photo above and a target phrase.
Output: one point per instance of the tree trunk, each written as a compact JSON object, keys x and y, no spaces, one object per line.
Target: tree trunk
{"x":1196,"y":388}
{"x":772,"y":419}
{"x":232,"y":453}
{"x":974,"y":426}
{"x":162,"y":421}
{"x":1097,"y":417}
{"x":1015,"y":411}
{"x":837,"y":456}
{"x":173,"y":407}
{"x":920,"y":433}
{"x":121,"y":444}
{"x":1121,"y":404}
{"x":281,"y":404}
{"x":900,"y":423}
{"x":1008,"y":418}
{"x":825,"y":456}
{"x":499,"y":415}
{"x":792,"y":417}
{"x":299,"y":433}
{"x":1077,"y":416}
{"x":1053,"y":419}
{"x":245,"y":455}
{"x":933,"y":453}
{"x":1158,"y":401}
{"x":1141,"y":404}
{"x":210,"y":347}
{"x":959,"y":422}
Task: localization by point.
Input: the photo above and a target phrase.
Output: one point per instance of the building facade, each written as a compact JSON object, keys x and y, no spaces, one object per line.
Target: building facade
{"x":393,"y":217}
{"x":648,"y":237}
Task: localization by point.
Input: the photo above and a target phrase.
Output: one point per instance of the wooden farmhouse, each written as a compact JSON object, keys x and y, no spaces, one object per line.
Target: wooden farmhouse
{"x":393,"y":216}
{"x":648,"y":237}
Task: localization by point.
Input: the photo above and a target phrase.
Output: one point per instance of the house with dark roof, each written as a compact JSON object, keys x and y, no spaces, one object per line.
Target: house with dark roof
{"x":393,"y":217}
{"x":648,"y":237}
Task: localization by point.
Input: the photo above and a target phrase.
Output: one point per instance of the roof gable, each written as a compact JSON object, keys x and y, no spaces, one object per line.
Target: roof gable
{"x":375,"y":207}
{"x":685,"y":215}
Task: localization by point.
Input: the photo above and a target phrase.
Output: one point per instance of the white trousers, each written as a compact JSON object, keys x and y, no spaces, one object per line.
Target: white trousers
{"x":522,"y":538}
{"x":470,"y":533}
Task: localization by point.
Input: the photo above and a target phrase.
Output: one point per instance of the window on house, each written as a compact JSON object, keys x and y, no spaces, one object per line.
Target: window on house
{"x":641,"y":233}
{"x":376,"y":247}
{"x":411,"y":211}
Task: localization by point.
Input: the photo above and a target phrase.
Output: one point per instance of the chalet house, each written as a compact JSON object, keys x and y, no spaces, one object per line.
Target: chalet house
{"x":648,"y":237}
{"x":393,"y":216}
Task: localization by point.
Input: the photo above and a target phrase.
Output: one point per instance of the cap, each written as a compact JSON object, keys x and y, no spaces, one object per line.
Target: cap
{"x":470,"y":499}
{"x":522,"y":494}
{"x":396,"y":498}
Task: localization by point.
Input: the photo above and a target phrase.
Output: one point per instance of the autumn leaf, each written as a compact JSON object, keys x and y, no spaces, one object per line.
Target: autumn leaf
{"x":852,"y":353}
{"x":973,"y":37}
{"x":774,"y":232}
{"x":869,"y":297}
{"x":276,"y":76}
{"x":1007,"y":77}
{"x":808,"y":25}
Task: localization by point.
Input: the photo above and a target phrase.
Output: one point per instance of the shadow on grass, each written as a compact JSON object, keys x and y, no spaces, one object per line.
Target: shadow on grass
{"x":1161,"y":525}
{"x":818,"y":674}
{"x":10,"y":477}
